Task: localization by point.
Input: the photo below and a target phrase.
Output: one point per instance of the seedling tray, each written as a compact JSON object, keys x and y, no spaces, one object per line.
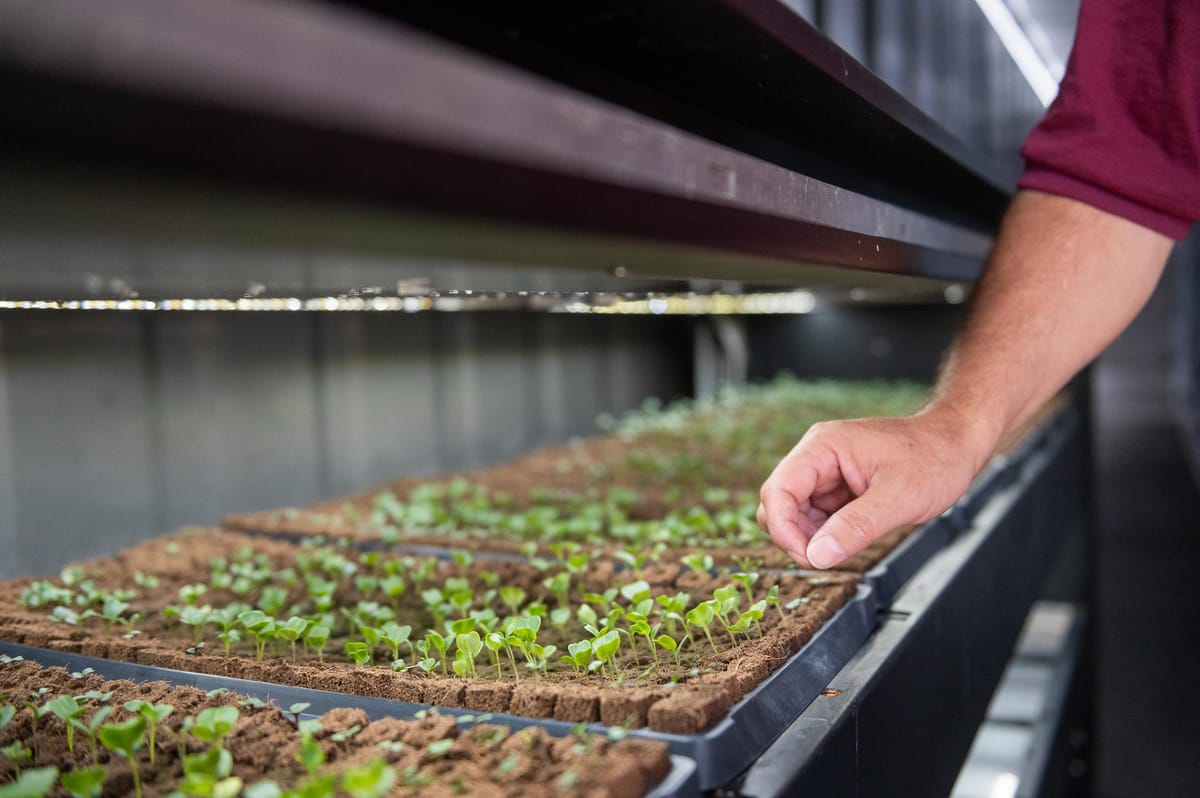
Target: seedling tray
{"x":680,"y":782}
{"x":901,"y":563}
{"x":719,"y":754}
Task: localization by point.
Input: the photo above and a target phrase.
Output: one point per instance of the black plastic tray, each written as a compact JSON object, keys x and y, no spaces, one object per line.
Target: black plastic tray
{"x":720,"y":753}
{"x":891,"y":573}
{"x":681,"y":782}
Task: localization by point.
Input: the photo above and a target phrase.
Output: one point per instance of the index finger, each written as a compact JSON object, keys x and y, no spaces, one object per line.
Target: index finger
{"x":786,"y":513}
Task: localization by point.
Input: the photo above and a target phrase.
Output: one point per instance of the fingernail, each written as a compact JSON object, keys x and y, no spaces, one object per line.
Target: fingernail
{"x":824,"y":551}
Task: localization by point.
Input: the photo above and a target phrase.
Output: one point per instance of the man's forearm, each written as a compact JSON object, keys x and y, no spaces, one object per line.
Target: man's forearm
{"x":1063,"y":281}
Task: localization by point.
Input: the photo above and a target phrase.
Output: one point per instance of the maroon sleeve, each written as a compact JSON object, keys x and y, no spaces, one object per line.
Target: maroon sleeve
{"x":1123,"y":135}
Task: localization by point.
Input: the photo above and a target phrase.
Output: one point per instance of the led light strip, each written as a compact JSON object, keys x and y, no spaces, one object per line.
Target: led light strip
{"x":634,"y":304}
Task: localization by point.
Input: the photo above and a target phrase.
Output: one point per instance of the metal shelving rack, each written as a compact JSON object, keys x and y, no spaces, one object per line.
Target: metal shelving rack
{"x":758,"y":153}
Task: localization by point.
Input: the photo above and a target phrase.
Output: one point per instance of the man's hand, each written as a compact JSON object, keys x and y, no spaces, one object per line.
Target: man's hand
{"x":846,"y":483}
{"x":1064,"y":279}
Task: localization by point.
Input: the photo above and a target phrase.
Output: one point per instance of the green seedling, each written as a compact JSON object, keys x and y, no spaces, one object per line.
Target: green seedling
{"x":65,"y":615}
{"x":154,"y":715}
{"x":438,"y":748}
{"x":125,"y":739}
{"x":702,"y":615}
{"x":772,"y":599}
{"x":33,"y":783}
{"x":359,"y":652}
{"x":435,"y":641}
{"x":84,"y":782}
{"x":513,"y":598}
{"x":271,"y":600}
{"x":522,"y":633}
{"x":197,"y":618}
{"x":393,"y":587}
{"x":310,"y":756}
{"x":317,"y":637}
{"x":578,"y":655}
{"x":560,"y":586}
{"x":372,"y":780}
{"x":16,"y":752}
{"x":91,"y":727}
{"x":190,"y":594}
{"x":214,"y":724}
{"x":66,"y":709}
{"x":292,"y":630}
{"x":495,"y":643}
{"x":296,"y":710}
{"x":468,"y":647}
{"x":261,"y":627}
{"x":642,"y":627}
{"x":746,"y":579}
{"x":345,"y":735}
{"x":207,"y":775}
{"x":605,"y":649}
{"x":366,"y":584}
{"x":145,"y":581}
{"x":668,"y":643}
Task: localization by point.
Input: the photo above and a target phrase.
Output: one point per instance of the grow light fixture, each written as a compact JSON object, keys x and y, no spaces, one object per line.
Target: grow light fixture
{"x":573,"y":302}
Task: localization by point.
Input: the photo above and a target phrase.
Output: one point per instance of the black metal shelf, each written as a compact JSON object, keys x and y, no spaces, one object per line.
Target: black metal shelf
{"x":302,"y":123}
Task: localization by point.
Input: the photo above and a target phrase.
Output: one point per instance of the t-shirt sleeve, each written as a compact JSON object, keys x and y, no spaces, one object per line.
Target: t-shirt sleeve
{"x":1123,"y":135}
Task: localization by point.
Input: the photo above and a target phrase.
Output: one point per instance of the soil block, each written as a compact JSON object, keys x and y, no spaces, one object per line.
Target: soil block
{"x":441,"y":755}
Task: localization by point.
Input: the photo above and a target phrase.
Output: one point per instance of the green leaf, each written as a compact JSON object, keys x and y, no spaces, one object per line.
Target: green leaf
{"x":64,"y":707}
{"x":263,"y":789}
{"x":125,"y":737}
{"x":666,"y":642}
{"x":470,"y":642}
{"x":701,"y":614}
{"x":229,"y":787}
{"x":438,"y":748}
{"x":214,"y":723}
{"x":310,"y":756}
{"x":372,"y":780}
{"x":85,"y":782}
{"x":636,"y":591}
{"x":33,"y":783}
{"x":606,"y":645}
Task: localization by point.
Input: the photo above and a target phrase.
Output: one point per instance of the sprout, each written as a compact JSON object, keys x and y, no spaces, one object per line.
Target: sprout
{"x":84,"y":782}
{"x":34,"y":783}
{"x":292,"y":630}
{"x":317,"y":637}
{"x":468,"y":647}
{"x":358,"y":651}
{"x":605,"y":648}
{"x":372,"y":780}
{"x":66,"y":708}
{"x":154,"y":714}
{"x":125,"y":739}
{"x":702,"y":615}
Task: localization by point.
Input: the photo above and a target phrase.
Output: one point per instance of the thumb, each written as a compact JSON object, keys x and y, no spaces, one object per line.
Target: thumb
{"x":854,"y":527}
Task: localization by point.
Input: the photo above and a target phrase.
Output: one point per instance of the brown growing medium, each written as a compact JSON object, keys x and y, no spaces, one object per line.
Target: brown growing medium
{"x":264,"y":744}
{"x":572,"y":469}
{"x":542,"y":470}
{"x":691,"y":705}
